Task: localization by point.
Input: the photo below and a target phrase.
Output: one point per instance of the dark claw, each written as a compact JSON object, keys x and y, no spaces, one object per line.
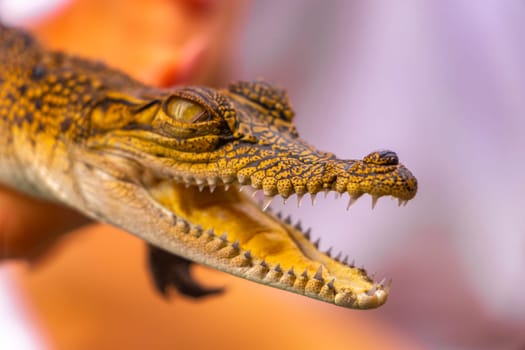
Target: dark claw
{"x":169,"y":270}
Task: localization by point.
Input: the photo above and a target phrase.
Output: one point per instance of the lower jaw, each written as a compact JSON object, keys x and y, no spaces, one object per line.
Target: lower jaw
{"x":277,"y":243}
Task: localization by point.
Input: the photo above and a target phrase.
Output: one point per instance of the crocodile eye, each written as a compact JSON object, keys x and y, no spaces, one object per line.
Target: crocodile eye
{"x":187,"y":112}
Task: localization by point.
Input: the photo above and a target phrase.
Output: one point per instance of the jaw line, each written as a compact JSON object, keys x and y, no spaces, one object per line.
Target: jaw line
{"x":280,"y":254}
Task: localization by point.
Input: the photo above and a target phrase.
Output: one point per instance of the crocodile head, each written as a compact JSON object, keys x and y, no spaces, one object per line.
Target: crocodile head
{"x":202,"y":155}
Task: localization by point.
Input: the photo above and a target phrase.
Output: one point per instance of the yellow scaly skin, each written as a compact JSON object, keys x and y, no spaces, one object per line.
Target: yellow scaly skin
{"x":167,"y":166}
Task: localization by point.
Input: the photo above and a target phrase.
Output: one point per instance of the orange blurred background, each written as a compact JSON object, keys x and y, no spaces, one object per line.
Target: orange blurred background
{"x":441,"y":83}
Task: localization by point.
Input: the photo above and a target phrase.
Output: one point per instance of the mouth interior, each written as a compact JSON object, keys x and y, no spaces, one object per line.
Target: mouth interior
{"x":265,"y":235}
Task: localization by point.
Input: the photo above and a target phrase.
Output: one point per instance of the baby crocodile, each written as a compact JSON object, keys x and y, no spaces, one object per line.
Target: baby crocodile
{"x":178,"y":168}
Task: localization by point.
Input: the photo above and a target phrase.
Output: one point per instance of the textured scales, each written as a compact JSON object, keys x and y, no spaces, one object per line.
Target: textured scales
{"x":167,"y":166}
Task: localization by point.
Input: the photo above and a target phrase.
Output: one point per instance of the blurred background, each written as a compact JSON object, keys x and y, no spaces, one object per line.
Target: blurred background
{"x":439,"y":82}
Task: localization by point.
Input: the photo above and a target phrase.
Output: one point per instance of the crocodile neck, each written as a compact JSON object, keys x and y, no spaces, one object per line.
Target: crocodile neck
{"x":44,"y":100}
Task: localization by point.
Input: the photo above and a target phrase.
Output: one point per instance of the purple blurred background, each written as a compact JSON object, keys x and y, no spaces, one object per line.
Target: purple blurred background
{"x":442,"y":84}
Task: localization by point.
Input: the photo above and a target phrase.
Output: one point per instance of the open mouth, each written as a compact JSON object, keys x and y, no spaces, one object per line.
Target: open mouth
{"x":200,"y":148}
{"x":254,"y":243}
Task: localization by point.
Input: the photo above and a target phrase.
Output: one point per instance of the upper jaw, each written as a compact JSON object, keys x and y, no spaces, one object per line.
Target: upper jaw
{"x":351,"y":177}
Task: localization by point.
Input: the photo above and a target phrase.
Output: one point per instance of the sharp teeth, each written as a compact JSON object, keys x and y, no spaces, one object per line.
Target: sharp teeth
{"x":326,"y":190}
{"x":241,"y":179}
{"x":269,"y":192}
{"x":372,"y":291}
{"x":249,"y":190}
{"x":236,"y":244}
{"x":329,"y":252}
{"x":227,"y":180}
{"x":308,"y":233}
{"x":212,"y":184}
{"x":319,"y":274}
{"x":374,"y":201}
{"x":401,"y":202}
{"x":299,"y":199}
{"x":266,"y":202}
{"x":351,"y":201}
{"x":201,"y":183}
{"x":312,"y":198}
{"x":388,"y":285}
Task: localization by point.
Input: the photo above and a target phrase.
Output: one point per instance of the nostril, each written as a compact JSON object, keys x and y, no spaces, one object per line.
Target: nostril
{"x":382,"y":157}
{"x":389,"y":156}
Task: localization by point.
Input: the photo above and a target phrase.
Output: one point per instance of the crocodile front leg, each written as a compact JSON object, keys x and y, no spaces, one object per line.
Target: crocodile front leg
{"x":169,"y":270}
